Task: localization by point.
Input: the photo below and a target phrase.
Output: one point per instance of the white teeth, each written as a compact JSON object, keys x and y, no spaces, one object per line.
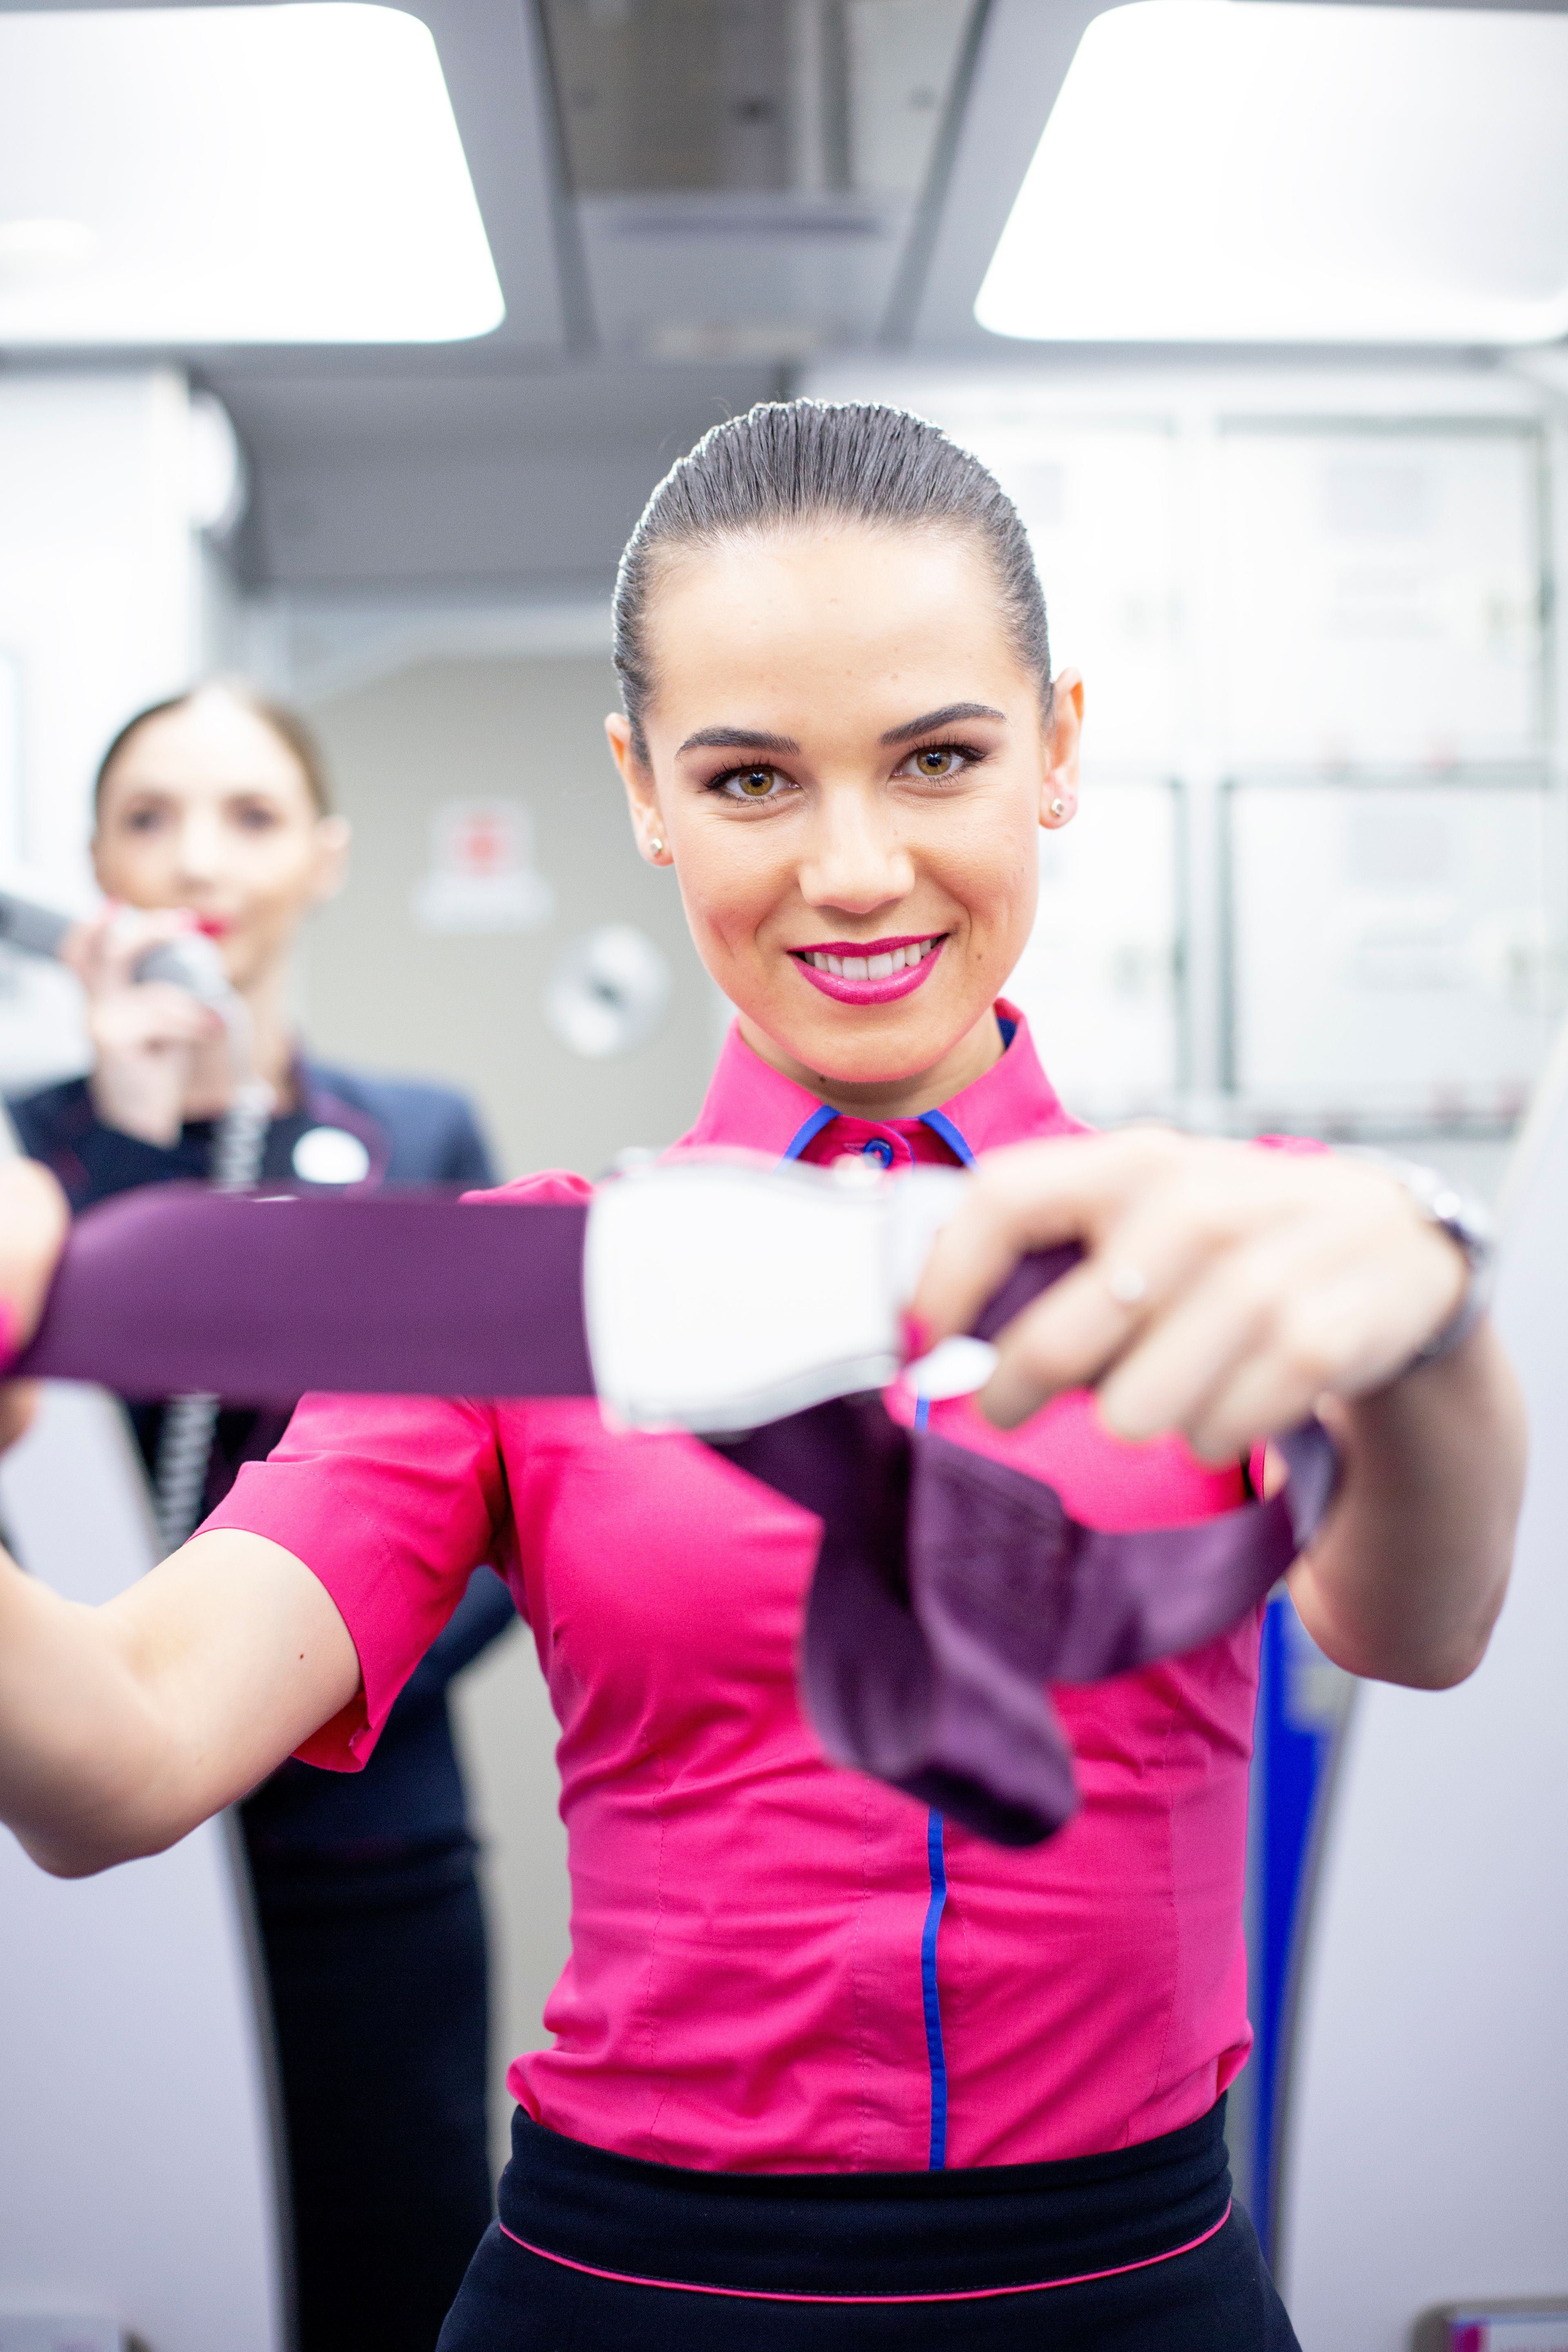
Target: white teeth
{"x":877,"y":967}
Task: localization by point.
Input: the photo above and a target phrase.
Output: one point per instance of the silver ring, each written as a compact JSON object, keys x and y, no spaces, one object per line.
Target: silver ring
{"x":1129,"y":1285}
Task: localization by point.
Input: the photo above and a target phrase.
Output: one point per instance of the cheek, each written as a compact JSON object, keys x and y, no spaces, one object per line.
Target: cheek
{"x":730,"y":887}
{"x":140,"y":871}
{"x":273,"y":875}
{"x":990,"y":867}
{"x":134,"y":853}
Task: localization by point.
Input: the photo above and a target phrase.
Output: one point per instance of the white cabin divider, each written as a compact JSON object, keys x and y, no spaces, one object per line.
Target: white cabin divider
{"x":1425,"y":2155}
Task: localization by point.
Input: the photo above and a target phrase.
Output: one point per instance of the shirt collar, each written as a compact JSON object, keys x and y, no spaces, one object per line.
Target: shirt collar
{"x":752,"y":1105}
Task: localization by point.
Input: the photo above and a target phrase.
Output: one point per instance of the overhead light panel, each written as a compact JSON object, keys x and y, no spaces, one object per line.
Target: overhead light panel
{"x":1265,"y":171}
{"x":261,"y":174}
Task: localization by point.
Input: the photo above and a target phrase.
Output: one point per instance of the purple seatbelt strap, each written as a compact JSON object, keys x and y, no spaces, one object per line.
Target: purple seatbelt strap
{"x":173,"y":1287}
{"x":949,"y":1588}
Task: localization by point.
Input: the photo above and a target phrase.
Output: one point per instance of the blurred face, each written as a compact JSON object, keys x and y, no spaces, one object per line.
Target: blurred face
{"x":206,"y":808}
{"x":850,"y":768}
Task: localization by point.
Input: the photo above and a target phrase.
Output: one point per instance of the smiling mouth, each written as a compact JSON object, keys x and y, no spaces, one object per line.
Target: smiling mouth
{"x":877,"y":959}
{"x":869,"y":972}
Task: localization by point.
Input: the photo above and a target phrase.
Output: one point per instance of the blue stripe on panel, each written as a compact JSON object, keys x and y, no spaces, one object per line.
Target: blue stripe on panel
{"x":823,"y":1115}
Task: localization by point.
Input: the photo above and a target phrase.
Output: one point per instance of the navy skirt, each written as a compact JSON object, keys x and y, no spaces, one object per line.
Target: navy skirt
{"x":378,"y":1983}
{"x":1139,"y":2251}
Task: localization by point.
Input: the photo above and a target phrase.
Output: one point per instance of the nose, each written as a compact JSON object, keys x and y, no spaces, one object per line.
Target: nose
{"x":855,"y":860}
{"x":200,"y":848}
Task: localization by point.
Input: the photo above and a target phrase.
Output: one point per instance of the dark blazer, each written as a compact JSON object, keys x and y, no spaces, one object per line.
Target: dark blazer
{"x":408,"y":1804}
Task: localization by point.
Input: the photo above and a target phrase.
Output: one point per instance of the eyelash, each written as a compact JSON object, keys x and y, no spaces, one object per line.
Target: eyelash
{"x":970,"y":753}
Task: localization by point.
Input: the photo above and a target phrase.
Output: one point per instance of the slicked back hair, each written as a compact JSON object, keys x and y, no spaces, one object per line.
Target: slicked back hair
{"x":788,"y":463}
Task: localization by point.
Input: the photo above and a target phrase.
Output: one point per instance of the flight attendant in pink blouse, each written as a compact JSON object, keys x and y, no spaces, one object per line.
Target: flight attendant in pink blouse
{"x":828,"y":2069}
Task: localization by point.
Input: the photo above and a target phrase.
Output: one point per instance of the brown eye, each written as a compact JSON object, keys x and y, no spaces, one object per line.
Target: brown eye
{"x":752,"y":783}
{"x":937,"y":759}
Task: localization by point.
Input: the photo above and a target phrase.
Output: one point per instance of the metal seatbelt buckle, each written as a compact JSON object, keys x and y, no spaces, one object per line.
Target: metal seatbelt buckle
{"x":722,"y":1292}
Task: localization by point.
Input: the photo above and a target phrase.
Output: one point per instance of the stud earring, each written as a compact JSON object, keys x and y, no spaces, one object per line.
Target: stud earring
{"x":654,"y":847}
{"x":1058,"y":809}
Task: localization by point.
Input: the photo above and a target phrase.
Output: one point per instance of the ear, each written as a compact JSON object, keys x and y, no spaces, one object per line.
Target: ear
{"x":642,"y":792}
{"x":334,"y":835}
{"x":1061,"y":775}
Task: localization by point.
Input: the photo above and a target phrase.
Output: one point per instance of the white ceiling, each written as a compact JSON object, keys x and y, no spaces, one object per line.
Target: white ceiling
{"x":516,"y":461}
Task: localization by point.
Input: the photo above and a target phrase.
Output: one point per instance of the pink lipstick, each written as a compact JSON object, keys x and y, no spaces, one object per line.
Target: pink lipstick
{"x":869,"y":972}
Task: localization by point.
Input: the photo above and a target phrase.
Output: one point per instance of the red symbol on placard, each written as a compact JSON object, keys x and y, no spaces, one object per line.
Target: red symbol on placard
{"x":483,"y":845}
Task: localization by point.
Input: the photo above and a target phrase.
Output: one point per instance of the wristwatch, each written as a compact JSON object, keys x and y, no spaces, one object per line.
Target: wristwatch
{"x":1469,"y":1223}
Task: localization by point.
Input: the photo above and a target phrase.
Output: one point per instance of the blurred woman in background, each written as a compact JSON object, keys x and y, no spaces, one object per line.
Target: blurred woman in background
{"x":212,"y":813}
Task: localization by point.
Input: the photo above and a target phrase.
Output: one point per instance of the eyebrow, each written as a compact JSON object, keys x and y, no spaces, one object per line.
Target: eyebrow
{"x":737,"y":739}
{"x":950,"y":714}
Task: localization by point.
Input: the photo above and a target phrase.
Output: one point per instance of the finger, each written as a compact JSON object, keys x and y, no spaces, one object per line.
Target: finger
{"x":154,"y":1013}
{"x":1351,"y":1333}
{"x":1146,"y":1259}
{"x":18,"y":1409}
{"x":126,"y":936}
{"x":34,"y":1219}
{"x":1028,"y":1197}
{"x":1335,"y":1302}
{"x":1253,"y":1301}
{"x":83,"y":947}
{"x":1169,"y":1364}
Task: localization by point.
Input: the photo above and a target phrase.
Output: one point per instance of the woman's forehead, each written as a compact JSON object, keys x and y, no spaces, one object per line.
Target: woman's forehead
{"x":203,"y":747}
{"x":892,"y":622}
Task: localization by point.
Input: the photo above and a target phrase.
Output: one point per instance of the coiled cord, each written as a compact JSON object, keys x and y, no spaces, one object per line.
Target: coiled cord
{"x":185,"y":1439}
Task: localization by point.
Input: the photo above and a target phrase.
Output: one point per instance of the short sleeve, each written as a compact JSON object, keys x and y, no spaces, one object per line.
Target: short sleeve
{"x":392,"y":1502}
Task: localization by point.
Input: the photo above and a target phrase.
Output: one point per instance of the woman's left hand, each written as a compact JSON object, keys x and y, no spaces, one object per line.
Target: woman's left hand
{"x":1225,"y":1290}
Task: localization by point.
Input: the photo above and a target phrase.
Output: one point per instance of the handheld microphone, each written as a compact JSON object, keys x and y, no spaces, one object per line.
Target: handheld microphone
{"x":193,"y":964}
{"x":37,"y":930}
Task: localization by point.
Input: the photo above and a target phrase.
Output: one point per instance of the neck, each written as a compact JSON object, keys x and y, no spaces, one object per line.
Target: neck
{"x":209,"y":1088}
{"x":272,"y":1042}
{"x":882,"y":1098}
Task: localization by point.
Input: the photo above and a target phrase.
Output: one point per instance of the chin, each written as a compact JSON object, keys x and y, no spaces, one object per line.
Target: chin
{"x":863,"y":1046}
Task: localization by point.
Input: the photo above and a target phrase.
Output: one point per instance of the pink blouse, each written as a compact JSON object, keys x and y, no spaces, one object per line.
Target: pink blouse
{"x":776,"y":1966}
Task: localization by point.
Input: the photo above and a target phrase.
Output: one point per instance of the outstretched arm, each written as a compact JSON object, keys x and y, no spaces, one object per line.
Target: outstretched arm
{"x":1227,"y":1293}
{"x":122,"y":1726}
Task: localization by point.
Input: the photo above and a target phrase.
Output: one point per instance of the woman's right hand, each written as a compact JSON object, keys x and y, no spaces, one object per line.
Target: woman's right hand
{"x":159,"y":1056}
{"x":34,"y":1221}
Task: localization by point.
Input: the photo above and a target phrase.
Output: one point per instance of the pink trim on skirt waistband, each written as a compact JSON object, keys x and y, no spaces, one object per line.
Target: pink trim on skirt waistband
{"x":952,"y":2294}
